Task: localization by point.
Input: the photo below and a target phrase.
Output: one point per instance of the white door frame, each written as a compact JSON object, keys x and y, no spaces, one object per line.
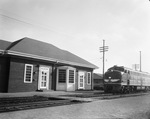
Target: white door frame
{"x":47,"y":70}
{"x":61,"y":86}
{"x":81,"y":73}
{"x":71,"y":86}
{"x":65,"y":86}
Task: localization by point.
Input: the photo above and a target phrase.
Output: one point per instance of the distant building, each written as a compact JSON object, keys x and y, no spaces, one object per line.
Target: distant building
{"x":30,"y":65}
{"x":98,"y":81}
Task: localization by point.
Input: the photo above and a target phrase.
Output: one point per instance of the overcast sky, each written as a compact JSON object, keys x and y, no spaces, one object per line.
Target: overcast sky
{"x":80,"y":26}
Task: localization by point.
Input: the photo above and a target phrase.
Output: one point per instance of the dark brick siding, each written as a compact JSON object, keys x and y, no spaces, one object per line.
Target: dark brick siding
{"x":16,"y":76}
{"x":4,"y":73}
{"x":86,"y":86}
{"x":76,"y":81}
{"x":16,"y":79}
{"x":50,"y":78}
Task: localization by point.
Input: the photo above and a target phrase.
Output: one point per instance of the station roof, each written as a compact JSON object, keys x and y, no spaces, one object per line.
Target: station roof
{"x":4,"y":44}
{"x":28,"y":47}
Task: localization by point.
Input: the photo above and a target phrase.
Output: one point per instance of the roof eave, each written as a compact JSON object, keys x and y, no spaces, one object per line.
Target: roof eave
{"x":10,"y":52}
{"x":1,"y":51}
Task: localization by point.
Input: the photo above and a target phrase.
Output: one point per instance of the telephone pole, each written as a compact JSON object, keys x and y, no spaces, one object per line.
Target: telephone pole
{"x":140,"y":62}
{"x":103,"y":49}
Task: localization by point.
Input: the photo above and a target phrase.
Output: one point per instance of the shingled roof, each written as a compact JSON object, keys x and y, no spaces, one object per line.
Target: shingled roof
{"x":4,"y":44}
{"x":28,"y":47}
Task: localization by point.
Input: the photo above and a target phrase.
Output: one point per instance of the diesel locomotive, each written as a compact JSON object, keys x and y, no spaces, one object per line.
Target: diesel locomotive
{"x":119,"y":79}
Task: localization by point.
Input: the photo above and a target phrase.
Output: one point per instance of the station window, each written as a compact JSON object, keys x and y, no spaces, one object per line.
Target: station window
{"x":71,"y":76}
{"x":88,"y":78}
{"x":28,"y":73}
{"x":62,"y":76}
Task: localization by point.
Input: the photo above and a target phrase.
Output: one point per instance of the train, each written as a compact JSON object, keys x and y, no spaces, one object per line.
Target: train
{"x":120,"y":79}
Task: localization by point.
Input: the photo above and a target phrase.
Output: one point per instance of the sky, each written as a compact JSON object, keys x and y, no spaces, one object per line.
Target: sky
{"x":80,"y":26}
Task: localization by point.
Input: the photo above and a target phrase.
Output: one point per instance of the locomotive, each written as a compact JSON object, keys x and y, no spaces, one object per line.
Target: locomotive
{"x":120,"y":79}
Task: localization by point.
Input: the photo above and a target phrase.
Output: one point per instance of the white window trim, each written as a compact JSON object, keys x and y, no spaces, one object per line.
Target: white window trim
{"x":58,"y":76}
{"x":25,"y":73}
{"x":74,"y":75}
{"x":81,"y":73}
{"x":88,"y":79}
{"x":39,"y":84}
{"x":67,"y":68}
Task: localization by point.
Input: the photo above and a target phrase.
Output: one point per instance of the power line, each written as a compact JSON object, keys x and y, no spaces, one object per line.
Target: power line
{"x":21,"y":18}
{"x":16,"y":19}
{"x":36,"y":25}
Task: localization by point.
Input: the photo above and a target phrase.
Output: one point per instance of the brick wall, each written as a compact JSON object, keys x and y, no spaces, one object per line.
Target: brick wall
{"x":4,"y":73}
{"x":16,"y":75}
{"x":76,"y":81}
{"x":16,"y":78}
{"x":86,"y":86}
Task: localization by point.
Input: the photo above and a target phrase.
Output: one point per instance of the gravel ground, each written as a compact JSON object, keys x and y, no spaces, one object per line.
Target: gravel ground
{"x":123,"y":108}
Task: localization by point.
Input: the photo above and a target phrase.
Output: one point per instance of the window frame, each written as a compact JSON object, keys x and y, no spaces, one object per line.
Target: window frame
{"x":64,"y":75}
{"x":89,"y":80}
{"x":25,"y":81}
{"x":73,"y":76}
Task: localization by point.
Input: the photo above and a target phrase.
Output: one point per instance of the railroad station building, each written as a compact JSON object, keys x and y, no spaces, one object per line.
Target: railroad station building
{"x":98,"y":81}
{"x":30,"y":65}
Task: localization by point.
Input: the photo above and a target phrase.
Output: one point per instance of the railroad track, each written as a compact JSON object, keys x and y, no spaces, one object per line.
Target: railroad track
{"x":33,"y":102}
{"x":122,"y":95}
{"x":23,"y":103}
{"x":106,"y":96}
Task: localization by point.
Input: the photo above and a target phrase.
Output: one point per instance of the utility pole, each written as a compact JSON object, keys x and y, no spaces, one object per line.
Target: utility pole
{"x":140,"y":62}
{"x":103,"y":49}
